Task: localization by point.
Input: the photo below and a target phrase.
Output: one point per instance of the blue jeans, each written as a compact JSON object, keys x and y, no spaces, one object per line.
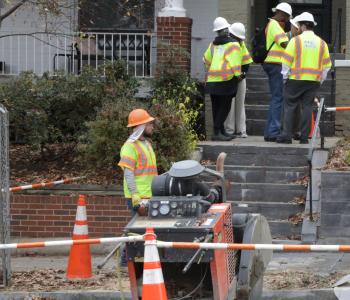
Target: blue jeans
{"x":273,"y":124}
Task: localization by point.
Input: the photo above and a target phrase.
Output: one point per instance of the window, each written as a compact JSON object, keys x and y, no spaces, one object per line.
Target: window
{"x":111,"y":15}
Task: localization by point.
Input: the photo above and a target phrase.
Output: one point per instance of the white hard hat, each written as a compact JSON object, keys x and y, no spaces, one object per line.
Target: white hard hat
{"x":238,"y":30}
{"x":220,"y":23}
{"x":306,"y":17}
{"x":285,"y":7}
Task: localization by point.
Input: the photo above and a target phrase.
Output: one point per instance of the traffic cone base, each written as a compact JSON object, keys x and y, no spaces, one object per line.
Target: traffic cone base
{"x":79,"y":263}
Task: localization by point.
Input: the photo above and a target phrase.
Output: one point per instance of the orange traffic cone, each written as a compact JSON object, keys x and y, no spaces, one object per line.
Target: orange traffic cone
{"x":79,"y":263}
{"x":153,"y":283}
{"x":312,"y":125}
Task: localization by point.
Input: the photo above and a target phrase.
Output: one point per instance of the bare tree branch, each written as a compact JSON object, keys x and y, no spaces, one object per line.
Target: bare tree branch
{"x":12,"y":10}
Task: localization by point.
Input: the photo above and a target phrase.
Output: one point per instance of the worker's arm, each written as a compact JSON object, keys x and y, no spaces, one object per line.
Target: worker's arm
{"x":326,"y":63}
{"x":208,"y":56}
{"x":279,"y":36}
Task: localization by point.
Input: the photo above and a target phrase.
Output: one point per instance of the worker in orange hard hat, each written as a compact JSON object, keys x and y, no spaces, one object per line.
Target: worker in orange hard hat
{"x":138,"y":161}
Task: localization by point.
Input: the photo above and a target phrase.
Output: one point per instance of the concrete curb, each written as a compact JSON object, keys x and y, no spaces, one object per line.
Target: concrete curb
{"x":65,"y":295}
{"x":316,"y":294}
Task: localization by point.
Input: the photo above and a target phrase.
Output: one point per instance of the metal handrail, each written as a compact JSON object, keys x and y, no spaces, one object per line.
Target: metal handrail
{"x":312,"y":148}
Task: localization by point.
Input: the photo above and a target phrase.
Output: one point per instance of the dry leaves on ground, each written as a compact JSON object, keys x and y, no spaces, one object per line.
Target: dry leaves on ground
{"x":299,"y":280}
{"x":337,"y":157}
{"x":55,"y":280}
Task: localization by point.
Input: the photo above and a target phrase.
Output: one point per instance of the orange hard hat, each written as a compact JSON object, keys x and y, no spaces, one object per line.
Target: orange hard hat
{"x":139,"y":116}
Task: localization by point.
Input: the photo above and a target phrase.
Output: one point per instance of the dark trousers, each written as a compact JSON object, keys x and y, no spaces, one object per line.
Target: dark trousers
{"x":273,"y":124}
{"x":221,"y":105}
{"x":297,"y":92}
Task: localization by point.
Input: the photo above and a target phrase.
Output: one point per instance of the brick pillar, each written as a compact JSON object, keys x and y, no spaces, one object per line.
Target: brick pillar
{"x":174,"y":31}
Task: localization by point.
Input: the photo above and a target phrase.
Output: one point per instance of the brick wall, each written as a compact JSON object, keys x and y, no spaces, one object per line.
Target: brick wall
{"x":40,"y":216}
{"x":174,"y":31}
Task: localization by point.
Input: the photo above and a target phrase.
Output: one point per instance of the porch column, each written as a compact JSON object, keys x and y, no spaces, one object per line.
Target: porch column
{"x":174,"y":29}
{"x":237,"y":11}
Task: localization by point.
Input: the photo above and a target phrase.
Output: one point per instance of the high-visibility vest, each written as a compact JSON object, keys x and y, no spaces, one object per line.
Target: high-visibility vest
{"x":140,"y":158}
{"x":275,"y":33}
{"x":223,"y":62}
{"x":246,"y":58}
{"x":307,"y":55}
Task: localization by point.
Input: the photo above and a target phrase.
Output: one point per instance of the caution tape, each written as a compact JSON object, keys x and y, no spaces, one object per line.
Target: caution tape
{"x":274,"y":247}
{"x":339,"y":108}
{"x":126,"y":239}
{"x":44,"y":184}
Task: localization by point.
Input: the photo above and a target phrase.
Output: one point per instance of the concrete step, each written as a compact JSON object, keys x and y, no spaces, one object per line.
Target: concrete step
{"x":263,"y":174}
{"x":271,"y":210}
{"x":256,"y":127}
{"x":261,"y":84}
{"x":263,"y":98}
{"x":257,"y":153}
{"x":281,"y":229}
{"x":265,"y":192}
{"x":259,"y":112}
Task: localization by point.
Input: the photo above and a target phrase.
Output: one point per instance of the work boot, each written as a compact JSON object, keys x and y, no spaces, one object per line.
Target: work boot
{"x":220,"y":137}
{"x":231,"y":135}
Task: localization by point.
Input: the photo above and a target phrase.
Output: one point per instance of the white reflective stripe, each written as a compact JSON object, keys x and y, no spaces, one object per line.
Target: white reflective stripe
{"x":26,"y":187}
{"x":58,"y":243}
{"x":324,"y":247}
{"x":80,"y":229}
{"x":122,"y":239}
{"x":81,"y":213}
{"x":8,"y":246}
{"x":331,"y":109}
{"x":151,"y":253}
{"x":153,"y":276}
{"x":268,"y":247}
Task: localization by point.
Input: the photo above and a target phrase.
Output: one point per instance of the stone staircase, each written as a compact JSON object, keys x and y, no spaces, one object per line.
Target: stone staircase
{"x":263,"y":177}
{"x":258,"y":97}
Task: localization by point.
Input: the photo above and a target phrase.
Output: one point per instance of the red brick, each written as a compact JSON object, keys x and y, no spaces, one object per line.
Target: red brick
{"x":29,"y":223}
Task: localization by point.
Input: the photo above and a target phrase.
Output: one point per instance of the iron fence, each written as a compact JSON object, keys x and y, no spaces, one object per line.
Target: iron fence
{"x":69,"y":53}
{"x":4,"y":195}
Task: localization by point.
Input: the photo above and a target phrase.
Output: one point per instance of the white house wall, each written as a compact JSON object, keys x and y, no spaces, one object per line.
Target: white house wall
{"x":203,"y":13}
{"x":24,"y":52}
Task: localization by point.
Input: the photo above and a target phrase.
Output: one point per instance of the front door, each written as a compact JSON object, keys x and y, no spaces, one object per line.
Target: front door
{"x":321,"y":9}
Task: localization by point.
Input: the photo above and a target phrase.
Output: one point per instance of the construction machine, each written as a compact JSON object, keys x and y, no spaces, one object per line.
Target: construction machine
{"x":189,"y":204}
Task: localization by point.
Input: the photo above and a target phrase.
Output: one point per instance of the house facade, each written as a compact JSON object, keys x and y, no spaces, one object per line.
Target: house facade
{"x":30,"y":39}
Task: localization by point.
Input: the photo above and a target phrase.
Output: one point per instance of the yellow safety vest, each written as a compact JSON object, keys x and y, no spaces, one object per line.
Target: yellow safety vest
{"x":307,"y":55}
{"x":275,"y":33}
{"x":246,"y":58}
{"x":141,"y":159}
{"x":223,"y":62}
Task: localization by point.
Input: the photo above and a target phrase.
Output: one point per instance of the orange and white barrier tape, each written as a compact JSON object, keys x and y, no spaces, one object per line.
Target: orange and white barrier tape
{"x":275,"y":247}
{"x":44,"y":184}
{"x":339,"y":108}
{"x":126,"y":239}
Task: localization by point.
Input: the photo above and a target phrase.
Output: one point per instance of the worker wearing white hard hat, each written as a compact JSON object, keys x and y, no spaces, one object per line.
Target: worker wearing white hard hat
{"x":306,"y":62}
{"x":236,"y":120}
{"x":276,"y":41}
{"x":284,"y":7}
{"x":222,"y":60}
{"x":220,"y":23}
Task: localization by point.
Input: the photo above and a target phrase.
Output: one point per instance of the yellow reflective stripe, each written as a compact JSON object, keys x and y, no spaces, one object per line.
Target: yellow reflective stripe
{"x":288,"y":57}
{"x":145,"y":171}
{"x":320,"y":55}
{"x":140,"y":154}
{"x":126,"y":161}
{"x":232,"y":49}
{"x":327,"y":61}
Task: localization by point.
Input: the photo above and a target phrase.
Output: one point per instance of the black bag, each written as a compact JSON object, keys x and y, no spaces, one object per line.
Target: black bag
{"x":259,"y":51}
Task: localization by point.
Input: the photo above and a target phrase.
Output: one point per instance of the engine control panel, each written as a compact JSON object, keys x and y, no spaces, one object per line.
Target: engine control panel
{"x":175,"y":207}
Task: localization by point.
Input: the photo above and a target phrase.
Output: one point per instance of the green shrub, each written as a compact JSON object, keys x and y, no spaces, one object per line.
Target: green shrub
{"x":55,"y":109}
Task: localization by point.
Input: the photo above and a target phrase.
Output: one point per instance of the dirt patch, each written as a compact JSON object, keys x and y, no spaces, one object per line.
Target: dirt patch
{"x":299,"y":280}
{"x":54,"y":163}
{"x":340,"y":156}
{"x":55,"y":280}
